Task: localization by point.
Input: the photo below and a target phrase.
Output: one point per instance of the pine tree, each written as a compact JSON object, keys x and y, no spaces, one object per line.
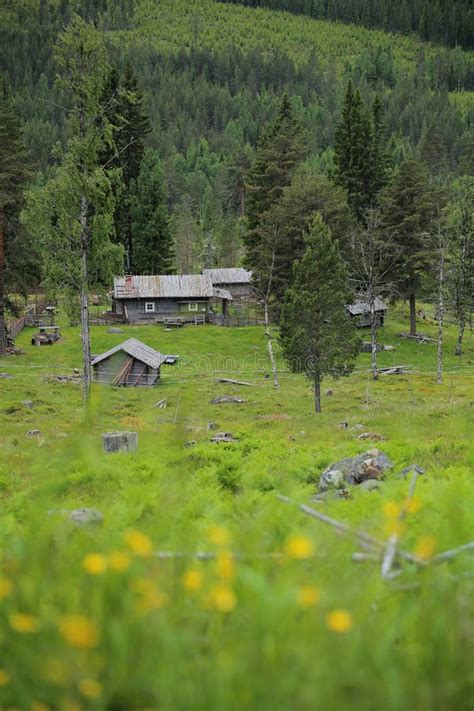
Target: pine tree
{"x":71,"y":216}
{"x":380,"y":156}
{"x":280,"y":150}
{"x":129,"y":125}
{"x":307,"y":194}
{"x":14,"y":174}
{"x":353,"y":141}
{"x":361,"y":151}
{"x":410,"y":203}
{"x":150,"y":225}
{"x":316,"y":335}
{"x":460,"y":223}
{"x":433,"y":152}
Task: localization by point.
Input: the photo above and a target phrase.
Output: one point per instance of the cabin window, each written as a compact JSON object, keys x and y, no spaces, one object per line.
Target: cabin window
{"x":193,"y":307}
{"x":149,"y":307}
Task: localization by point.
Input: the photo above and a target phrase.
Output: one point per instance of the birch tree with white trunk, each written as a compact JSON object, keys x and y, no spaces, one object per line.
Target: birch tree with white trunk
{"x":372,"y":260}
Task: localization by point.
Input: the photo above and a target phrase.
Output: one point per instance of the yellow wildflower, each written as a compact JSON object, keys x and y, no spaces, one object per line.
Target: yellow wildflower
{"x":150,"y":597}
{"x":192,"y":580}
{"x":95,"y":563}
{"x":6,"y":587}
{"x":222,"y":598}
{"x":391,"y":509}
{"x":299,"y":547}
{"x":119,"y":561}
{"x":23,"y":623}
{"x":90,"y":688}
{"x":218,"y":535}
{"x":413,"y":506}
{"x":308,"y":596}
{"x":425,"y":547}
{"x":79,"y":631}
{"x":339,"y":621}
{"x":138,"y":542}
{"x":38,"y":706}
{"x":4,"y":677}
{"x":225,"y":566}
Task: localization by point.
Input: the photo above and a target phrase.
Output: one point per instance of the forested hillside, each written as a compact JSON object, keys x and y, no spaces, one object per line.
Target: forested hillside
{"x":213,"y":74}
{"x":447,"y":21}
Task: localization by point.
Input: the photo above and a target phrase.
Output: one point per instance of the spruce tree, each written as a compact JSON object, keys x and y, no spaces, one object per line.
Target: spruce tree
{"x":150,"y":225}
{"x":433,"y":152}
{"x":129,"y":125}
{"x":14,"y":173}
{"x":361,"y":152}
{"x":307,"y":194}
{"x":410,"y":203}
{"x":316,"y":335}
{"x":71,"y":216}
{"x":280,"y":150}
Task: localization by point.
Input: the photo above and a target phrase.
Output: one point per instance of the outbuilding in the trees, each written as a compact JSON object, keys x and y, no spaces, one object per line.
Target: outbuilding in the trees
{"x":235,"y":280}
{"x":131,"y":364}
{"x":359,"y":312}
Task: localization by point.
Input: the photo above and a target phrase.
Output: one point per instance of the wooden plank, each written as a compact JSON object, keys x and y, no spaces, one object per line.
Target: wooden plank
{"x":229,"y":381}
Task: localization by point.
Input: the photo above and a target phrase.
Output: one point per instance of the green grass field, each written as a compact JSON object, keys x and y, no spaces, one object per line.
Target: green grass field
{"x":282,"y":618}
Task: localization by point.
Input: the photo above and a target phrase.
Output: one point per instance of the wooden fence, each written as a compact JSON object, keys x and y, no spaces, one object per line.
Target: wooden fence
{"x":16,"y":325}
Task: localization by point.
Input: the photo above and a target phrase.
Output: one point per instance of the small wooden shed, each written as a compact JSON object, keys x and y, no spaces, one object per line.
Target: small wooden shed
{"x":360,"y":312}
{"x":130,"y":364}
{"x":235,"y":280}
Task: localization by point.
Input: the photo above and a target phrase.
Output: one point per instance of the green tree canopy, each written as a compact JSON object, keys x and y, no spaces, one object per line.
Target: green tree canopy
{"x":316,"y":335}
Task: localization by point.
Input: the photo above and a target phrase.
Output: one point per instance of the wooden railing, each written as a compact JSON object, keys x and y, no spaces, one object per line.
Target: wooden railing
{"x":16,"y":325}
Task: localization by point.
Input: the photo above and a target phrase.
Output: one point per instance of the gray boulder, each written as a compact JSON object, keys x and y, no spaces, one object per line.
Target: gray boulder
{"x":331,"y":480}
{"x":115,"y":330}
{"x":85,"y":517}
{"x":228,"y":399}
{"x":354,"y":470}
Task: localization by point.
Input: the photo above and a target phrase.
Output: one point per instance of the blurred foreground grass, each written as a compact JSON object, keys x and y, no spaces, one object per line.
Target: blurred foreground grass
{"x":91,"y":618}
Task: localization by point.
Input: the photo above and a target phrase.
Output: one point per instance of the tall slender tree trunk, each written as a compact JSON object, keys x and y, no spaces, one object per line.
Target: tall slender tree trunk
{"x":317,"y":393}
{"x":462,"y":327}
{"x":439,"y":377}
{"x":3,"y":328}
{"x":85,"y":327}
{"x":373,"y":337}
{"x":271,"y":354}
{"x":412,"y":314}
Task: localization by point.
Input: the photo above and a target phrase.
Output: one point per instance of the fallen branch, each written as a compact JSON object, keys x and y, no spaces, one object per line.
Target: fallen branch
{"x":421,"y":338}
{"x":449,"y":555}
{"x":365,"y":540}
{"x":229,"y":381}
{"x":210,"y":555}
{"x":396,"y":370}
{"x":391,"y":549}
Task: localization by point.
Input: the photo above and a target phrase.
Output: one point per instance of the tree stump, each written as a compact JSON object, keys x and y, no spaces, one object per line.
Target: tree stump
{"x":120,"y":441}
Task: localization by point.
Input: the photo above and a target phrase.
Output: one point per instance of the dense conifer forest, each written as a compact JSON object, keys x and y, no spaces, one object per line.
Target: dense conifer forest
{"x":212,"y":76}
{"x":449,"y":22}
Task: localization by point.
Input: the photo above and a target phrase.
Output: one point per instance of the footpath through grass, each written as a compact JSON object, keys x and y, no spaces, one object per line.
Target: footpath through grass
{"x":92,"y":619}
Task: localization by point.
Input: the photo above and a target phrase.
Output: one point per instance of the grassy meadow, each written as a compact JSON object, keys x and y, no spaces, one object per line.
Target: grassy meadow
{"x":281,"y":617}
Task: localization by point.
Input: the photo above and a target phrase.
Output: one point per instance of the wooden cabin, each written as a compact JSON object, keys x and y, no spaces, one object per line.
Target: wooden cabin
{"x":130,"y":364}
{"x":155,"y":299}
{"x":360,"y":312}
{"x":236,"y":280}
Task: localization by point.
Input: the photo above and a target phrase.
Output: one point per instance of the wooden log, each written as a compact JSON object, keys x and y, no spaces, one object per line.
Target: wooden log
{"x":420,"y":338}
{"x":229,"y":381}
{"x":120,"y":441}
